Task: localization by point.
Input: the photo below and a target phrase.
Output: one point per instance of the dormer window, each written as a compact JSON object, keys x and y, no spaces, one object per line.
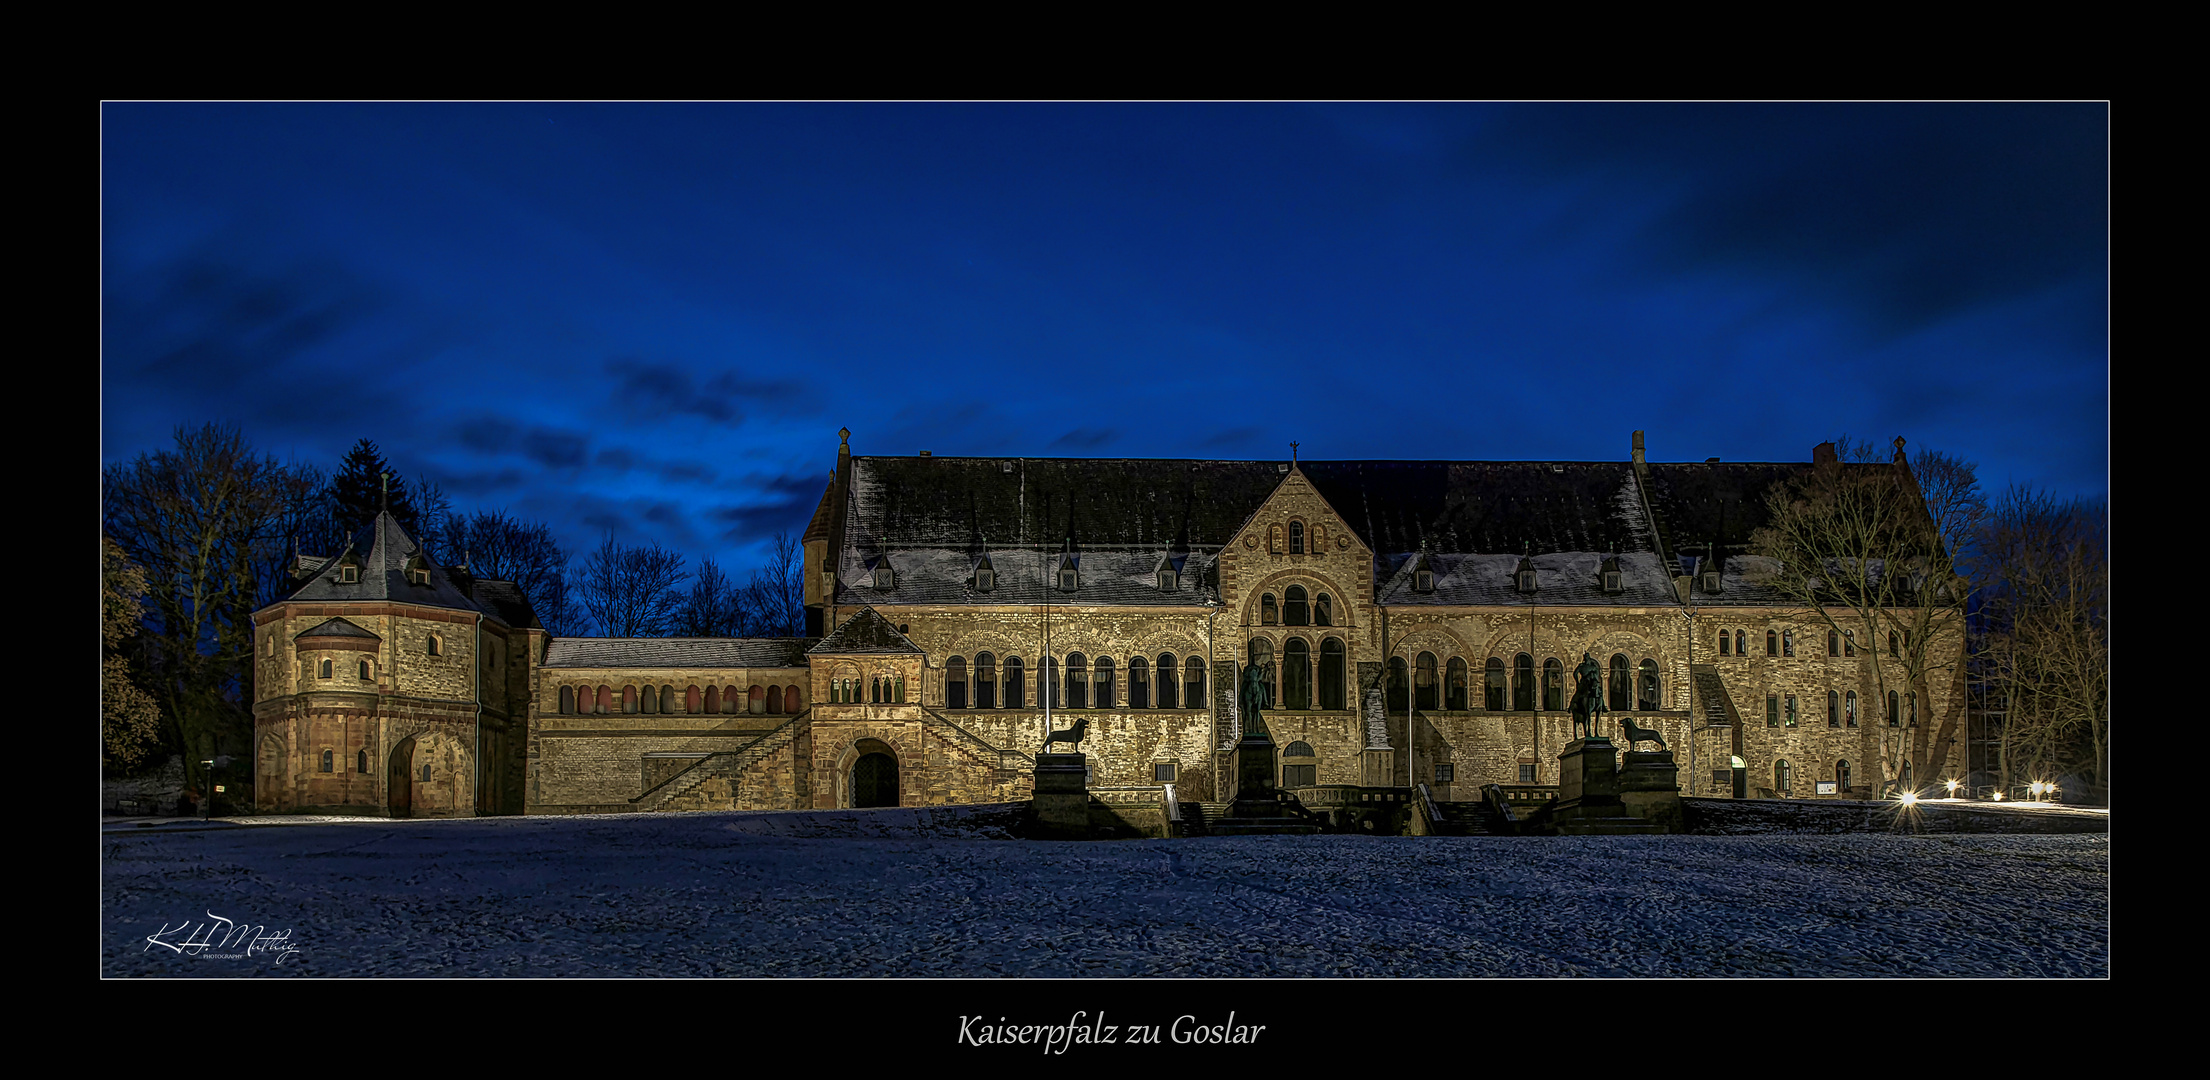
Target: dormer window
{"x":349,"y":574}
{"x":1168,"y":581}
{"x":418,"y":576}
{"x":1711,"y":582}
{"x":986,"y":578}
{"x":883,"y":577}
{"x":1423,"y":580}
{"x":1526,"y":576}
{"x":1069,"y":576}
{"x":1613,"y":579}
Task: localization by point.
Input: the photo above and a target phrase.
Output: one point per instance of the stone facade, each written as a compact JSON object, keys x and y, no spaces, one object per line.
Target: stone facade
{"x":1415,"y":623}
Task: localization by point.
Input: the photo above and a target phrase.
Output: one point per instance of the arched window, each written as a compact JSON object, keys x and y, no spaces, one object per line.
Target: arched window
{"x":567,"y":699}
{"x":1892,"y":649}
{"x":1791,"y":710}
{"x":690,"y":698}
{"x":986,"y":681}
{"x":1833,"y":709}
{"x":1268,"y":614}
{"x":667,"y":698}
{"x":326,"y":668}
{"x":1833,"y":642}
{"x":1849,"y":708}
{"x":1298,"y":749}
{"x":1274,"y":539}
{"x":1492,"y":688}
{"x":713,"y":699}
{"x":1193,"y":683}
{"x":731,"y":700}
{"x":1787,"y":643}
{"x":1849,"y":643}
{"x":1523,"y":683}
{"x":366,"y":674}
{"x":1423,"y":682}
{"x":1911,"y":701}
{"x":1332,"y":694}
{"x":1167,"y":673}
{"x":1016,"y":683}
{"x":1741,"y":643}
{"x":425,"y":772}
{"x":1895,"y":711}
{"x":1261,"y":653}
{"x":1296,"y":538}
{"x":755,"y":699}
{"x":1726,"y":643}
{"x":436,"y":646}
{"x":1078,"y":681}
{"x":1772,"y":643}
{"x":1319,"y":540}
{"x":1323,"y":611}
{"x":1455,"y":684}
{"x":1296,"y":673}
{"x":1102,"y":683}
{"x":651,"y":700}
{"x":1553,"y":684}
{"x":1784,"y":776}
{"x":1841,"y":776}
{"x":360,"y":761}
{"x":775,"y":700}
{"x":1047,"y":683}
{"x":792,"y":700}
{"x":629,"y":699}
{"x":955,"y":683}
{"x":1397,"y":697}
{"x":1139,"y":683}
{"x":328,"y":761}
{"x":1620,"y":701}
{"x":1295,"y":612}
{"x":1646,"y":695}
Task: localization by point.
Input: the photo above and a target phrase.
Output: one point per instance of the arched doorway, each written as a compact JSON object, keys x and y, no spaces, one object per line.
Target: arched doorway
{"x":874,"y":776}
{"x":399,"y":779}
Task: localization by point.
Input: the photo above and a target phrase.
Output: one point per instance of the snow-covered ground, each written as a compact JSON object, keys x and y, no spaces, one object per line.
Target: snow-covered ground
{"x":774,"y":895}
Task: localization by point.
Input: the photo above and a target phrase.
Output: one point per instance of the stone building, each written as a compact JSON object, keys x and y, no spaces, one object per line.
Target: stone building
{"x":1413,"y":622}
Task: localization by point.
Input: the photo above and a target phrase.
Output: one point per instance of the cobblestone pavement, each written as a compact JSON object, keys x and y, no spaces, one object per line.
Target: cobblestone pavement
{"x":786,"y":895}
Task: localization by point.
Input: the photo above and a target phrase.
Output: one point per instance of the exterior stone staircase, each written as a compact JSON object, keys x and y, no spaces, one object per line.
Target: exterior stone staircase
{"x":722,"y":763}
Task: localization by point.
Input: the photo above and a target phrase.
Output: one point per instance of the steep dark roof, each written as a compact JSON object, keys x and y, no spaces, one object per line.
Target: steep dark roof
{"x":866,"y":632}
{"x":946,"y":576}
{"x":1486,"y":507}
{"x":962,"y":503}
{"x":340,"y":628}
{"x":505,"y":601}
{"x":677,"y":652}
{"x":382,"y":550}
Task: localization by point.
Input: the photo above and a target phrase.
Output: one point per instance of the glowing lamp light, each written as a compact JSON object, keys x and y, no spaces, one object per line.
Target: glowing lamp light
{"x":1910,"y":798}
{"x":1952,"y":788}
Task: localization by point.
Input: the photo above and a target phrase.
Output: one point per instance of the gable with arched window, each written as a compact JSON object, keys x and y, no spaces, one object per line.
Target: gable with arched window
{"x":1296,"y":538}
{"x":1295,"y":610}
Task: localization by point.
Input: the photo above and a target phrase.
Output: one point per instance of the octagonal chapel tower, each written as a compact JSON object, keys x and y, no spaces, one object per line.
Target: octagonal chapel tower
{"x":387,"y":686}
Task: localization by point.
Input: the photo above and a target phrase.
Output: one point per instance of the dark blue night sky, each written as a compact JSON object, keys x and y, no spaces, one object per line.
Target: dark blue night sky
{"x":654,"y":318}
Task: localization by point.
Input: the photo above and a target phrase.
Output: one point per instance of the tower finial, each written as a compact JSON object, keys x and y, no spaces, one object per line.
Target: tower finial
{"x":387,"y":492}
{"x":1292,"y":451}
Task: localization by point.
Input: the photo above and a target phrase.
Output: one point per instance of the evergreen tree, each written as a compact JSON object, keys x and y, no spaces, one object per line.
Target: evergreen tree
{"x":357,"y":491}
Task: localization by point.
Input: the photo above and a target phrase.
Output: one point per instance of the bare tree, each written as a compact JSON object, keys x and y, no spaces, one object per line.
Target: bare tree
{"x":505,"y":548}
{"x":1869,"y":547}
{"x":2044,"y":567}
{"x":631,"y":591}
{"x":775,"y":597}
{"x":715,"y":606}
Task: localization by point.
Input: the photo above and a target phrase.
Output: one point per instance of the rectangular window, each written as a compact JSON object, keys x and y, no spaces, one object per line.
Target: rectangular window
{"x":1162,"y":772}
{"x":1791,"y":710}
{"x":1772,"y":710}
{"x":1526,"y":772}
{"x":1445,"y":772}
{"x":1298,"y":775}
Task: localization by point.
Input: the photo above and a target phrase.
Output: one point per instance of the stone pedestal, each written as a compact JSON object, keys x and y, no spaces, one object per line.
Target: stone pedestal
{"x":1258,"y":807}
{"x":1649,"y":789}
{"x":1062,"y":798}
{"x":1589,"y":799}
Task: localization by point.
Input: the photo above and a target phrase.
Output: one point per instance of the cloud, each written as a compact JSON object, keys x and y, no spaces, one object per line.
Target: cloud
{"x":647,"y":391}
{"x":486,"y":434}
{"x":555,"y":449}
{"x":1230,"y":437}
{"x":763,"y":520}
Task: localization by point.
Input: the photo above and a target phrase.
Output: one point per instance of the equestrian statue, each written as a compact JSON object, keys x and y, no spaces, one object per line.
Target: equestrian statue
{"x":1588,"y":697}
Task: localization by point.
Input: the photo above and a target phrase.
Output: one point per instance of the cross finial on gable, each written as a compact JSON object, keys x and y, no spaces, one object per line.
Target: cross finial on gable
{"x":1292,"y":451}
{"x":387,"y":491}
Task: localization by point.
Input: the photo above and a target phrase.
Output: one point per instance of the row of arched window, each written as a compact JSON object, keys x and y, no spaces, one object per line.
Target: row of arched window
{"x":880,"y":690}
{"x":664,"y":699}
{"x":1295,"y":609}
{"x":1089,"y":683}
{"x":360,"y":761}
{"x":1841,"y":709}
{"x":1783,"y":643}
{"x":1784,"y":776}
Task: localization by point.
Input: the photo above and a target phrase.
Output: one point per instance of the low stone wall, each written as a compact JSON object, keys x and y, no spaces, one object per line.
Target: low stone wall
{"x":154,"y":793}
{"x":1744,"y":817}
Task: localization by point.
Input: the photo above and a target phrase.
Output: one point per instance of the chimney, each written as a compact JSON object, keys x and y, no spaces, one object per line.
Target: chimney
{"x":924,"y":453}
{"x":1638,"y":459}
{"x":1823,"y":454}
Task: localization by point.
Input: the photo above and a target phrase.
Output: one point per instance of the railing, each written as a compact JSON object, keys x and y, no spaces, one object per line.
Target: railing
{"x":737,"y":758}
{"x":979,"y":745}
{"x":1425,"y":814}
